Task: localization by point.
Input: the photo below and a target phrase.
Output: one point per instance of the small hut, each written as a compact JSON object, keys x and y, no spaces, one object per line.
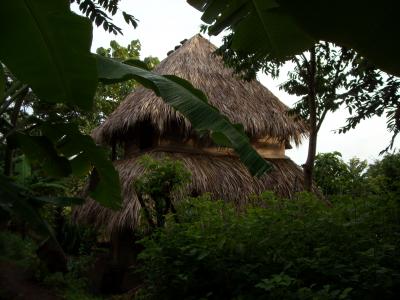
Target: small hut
{"x":144,"y":124}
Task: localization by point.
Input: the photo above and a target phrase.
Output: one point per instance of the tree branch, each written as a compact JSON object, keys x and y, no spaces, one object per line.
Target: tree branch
{"x":8,"y":102}
{"x":301,"y":72}
{"x":307,"y":63}
{"x":321,"y":119}
{"x":146,"y":211}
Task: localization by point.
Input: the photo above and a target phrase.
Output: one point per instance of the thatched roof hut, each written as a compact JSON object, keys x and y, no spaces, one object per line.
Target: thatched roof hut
{"x":143,"y":123}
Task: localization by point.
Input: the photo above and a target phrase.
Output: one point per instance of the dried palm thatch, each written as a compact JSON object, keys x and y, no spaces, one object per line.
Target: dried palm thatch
{"x":223,"y":176}
{"x":215,"y":171}
{"x":247,"y":103}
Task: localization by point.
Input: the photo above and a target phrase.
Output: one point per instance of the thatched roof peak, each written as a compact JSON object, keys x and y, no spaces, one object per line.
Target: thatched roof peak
{"x":248,"y":103}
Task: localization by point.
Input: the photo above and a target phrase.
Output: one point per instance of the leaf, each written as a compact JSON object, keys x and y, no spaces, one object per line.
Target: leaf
{"x":61,"y":201}
{"x":192,"y":103}
{"x":353,"y":29}
{"x":22,"y":168}
{"x":276,"y":34}
{"x":2,"y":83}
{"x":40,"y":149}
{"x":129,"y":19}
{"x":48,"y":185}
{"x":85,"y":154}
{"x":345,"y":293}
{"x":136,"y":63}
{"x":80,"y":164}
{"x":221,"y":140}
{"x":285,"y":27}
{"x":47,"y":46}
{"x":17,"y":201}
{"x":260,"y":26}
{"x":198,"y":4}
{"x":63,"y":150}
{"x":212,"y":11}
{"x":186,"y":84}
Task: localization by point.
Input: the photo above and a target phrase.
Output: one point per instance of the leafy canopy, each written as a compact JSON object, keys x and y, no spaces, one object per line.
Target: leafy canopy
{"x":282,"y":28}
{"x":59,"y":68}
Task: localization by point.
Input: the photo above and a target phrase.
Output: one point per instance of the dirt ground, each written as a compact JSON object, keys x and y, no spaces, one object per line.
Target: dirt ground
{"x":17,"y":283}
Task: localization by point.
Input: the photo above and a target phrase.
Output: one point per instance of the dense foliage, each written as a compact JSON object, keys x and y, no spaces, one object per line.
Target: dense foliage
{"x":60,"y":70}
{"x":323,"y":75}
{"x":297,"y":249}
{"x":281,"y":249}
{"x":326,"y":77}
{"x":273,"y":248}
{"x":356,"y":178}
{"x":283,"y":28}
{"x":335,"y":177}
{"x":156,"y":186}
{"x":101,"y":12}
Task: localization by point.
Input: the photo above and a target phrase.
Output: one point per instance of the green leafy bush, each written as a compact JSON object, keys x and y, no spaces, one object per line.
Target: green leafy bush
{"x":19,"y":250}
{"x":74,"y":284}
{"x":335,"y":177}
{"x":384,"y":175}
{"x":297,"y":249}
{"x":156,"y":186}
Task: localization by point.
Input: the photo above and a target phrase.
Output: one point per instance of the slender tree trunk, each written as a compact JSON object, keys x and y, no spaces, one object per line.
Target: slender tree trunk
{"x":308,"y":167}
{"x":8,"y":155}
{"x":8,"y":160}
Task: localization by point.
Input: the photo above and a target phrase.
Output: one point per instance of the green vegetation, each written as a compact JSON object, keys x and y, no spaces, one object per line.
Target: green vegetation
{"x":59,"y":69}
{"x":155,"y":188}
{"x":282,"y":28}
{"x":271,"y":248}
{"x":55,"y":91}
{"x":324,"y":75}
{"x":14,"y":248}
{"x":325,"y":78}
{"x":284,"y":249}
{"x":297,"y":249}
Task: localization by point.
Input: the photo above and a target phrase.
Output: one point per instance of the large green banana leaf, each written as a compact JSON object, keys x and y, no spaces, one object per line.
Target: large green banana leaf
{"x":192,"y":103}
{"x":281,"y":28}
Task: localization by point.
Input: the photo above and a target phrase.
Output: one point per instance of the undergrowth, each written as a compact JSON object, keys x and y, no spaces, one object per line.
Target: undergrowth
{"x":275,"y":249}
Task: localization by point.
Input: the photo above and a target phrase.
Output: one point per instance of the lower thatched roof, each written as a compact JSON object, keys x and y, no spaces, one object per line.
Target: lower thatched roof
{"x":224,"y":177}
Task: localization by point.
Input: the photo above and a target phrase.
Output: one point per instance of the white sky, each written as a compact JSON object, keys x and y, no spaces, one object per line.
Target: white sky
{"x":164,"y":23}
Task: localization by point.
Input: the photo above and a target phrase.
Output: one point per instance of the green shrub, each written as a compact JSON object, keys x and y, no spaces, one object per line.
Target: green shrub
{"x":21,"y":251}
{"x":55,"y":280}
{"x":297,"y":249}
{"x":74,"y":283}
{"x":155,"y":188}
{"x":384,"y":175}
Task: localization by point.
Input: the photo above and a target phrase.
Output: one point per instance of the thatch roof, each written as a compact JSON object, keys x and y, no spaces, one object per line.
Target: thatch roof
{"x":224,"y":177}
{"x":248,"y":103}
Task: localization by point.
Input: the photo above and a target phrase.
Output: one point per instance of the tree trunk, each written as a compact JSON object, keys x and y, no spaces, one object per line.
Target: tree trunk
{"x":8,"y":155}
{"x":308,"y":167}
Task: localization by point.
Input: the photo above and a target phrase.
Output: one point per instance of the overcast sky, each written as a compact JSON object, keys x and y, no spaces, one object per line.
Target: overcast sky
{"x":164,"y":23}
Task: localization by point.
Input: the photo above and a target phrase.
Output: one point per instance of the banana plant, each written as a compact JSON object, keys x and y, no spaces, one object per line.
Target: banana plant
{"x":59,"y":68}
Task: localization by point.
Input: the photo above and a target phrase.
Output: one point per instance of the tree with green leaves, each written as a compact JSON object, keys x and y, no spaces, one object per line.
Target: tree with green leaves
{"x":101,"y":12}
{"x":325,"y":76}
{"x":109,"y":96}
{"x":384,"y":175}
{"x":106,"y":99}
{"x":156,"y":186}
{"x":331,"y":173}
{"x":283,"y":28}
{"x":336,"y":177}
{"x":59,"y":69}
